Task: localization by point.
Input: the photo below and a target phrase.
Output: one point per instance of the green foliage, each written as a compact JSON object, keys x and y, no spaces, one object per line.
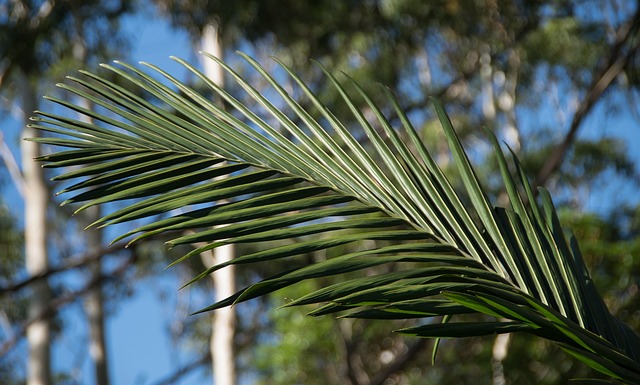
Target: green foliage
{"x":50,"y":36}
{"x":10,"y":243}
{"x":294,"y":354}
{"x":14,"y":308}
{"x":566,"y":42}
{"x":288,"y":178}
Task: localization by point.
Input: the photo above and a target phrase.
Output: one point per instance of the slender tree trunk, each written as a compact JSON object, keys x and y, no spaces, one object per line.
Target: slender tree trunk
{"x":499,"y":353}
{"x":35,"y":220}
{"x":223,"y":322}
{"x":507,"y":102}
{"x":486,"y":78}
{"x":94,"y":300}
{"x":94,"y":303}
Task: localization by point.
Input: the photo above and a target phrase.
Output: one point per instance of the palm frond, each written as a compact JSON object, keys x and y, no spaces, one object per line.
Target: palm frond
{"x":299,"y":172}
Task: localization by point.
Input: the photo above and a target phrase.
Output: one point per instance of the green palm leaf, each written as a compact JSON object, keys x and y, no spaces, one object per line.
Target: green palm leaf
{"x":299,"y":173}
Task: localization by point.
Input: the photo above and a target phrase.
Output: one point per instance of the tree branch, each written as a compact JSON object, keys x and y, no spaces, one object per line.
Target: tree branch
{"x":618,"y":60}
{"x":399,"y":363}
{"x":186,"y":369}
{"x":72,"y":263}
{"x":57,"y":303}
{"x":12,"y":165}
{"x":354,"y":371}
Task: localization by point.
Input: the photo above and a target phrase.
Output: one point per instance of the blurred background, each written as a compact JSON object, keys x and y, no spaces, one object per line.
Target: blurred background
{"x":557,"y":80}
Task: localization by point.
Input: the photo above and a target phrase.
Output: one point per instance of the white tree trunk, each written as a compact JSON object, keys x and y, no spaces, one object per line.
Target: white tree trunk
{"x":35,"y":220}
{"x":507,"y":103}
{"x":499,"y":353}
{"x":486,"y":78}
{"x":223,"y":322}
{"x":210,"y":43}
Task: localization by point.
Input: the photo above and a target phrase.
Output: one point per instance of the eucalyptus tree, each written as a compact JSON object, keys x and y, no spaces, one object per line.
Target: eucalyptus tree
{"x":454,"y":253}
{"x":38,"y":39}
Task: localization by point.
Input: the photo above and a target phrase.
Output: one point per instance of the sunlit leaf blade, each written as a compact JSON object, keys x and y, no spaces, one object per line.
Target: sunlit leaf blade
{"x":286,"y":174}
{"x":501,"y":262}
{"x":527,"y":242}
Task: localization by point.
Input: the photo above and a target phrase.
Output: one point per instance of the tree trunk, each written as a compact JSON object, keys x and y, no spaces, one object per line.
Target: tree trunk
{"x":94,"y":300}
{"x":223,"y":322}
{"x":486,"y":78}
{"x":94,"y":303}
{"x":499,"y":353}
{"x":35,"y":220}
